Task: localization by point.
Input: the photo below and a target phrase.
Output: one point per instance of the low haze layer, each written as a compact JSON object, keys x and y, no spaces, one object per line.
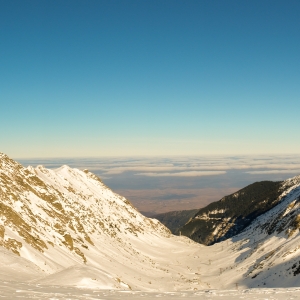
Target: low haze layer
{"x":156,"y":185}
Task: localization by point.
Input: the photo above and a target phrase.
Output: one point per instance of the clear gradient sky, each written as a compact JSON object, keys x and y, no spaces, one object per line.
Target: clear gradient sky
{"x":151,"y":77}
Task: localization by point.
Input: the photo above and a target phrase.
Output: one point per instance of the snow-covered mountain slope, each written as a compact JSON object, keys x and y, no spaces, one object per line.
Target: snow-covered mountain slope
{"x":265,"y":254}
{"x":64,"y":227}
{"x":76,"y":230}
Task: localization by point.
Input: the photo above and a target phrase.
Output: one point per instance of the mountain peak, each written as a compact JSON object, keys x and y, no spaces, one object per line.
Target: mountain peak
{"x":66,"y":217}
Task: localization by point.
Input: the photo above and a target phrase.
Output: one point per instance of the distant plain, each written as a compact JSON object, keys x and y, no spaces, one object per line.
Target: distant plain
{"x":159,"y":184}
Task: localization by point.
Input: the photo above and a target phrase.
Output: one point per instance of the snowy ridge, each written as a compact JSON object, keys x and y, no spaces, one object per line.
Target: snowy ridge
{"x":64,"y":227}
{"x":229,"y":216}
{"x":67,"y":222}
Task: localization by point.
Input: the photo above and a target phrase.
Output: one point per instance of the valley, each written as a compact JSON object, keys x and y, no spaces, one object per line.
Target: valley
{"x":63,"y":229}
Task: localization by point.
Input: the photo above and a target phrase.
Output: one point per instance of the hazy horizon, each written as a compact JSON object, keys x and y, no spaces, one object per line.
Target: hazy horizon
{"x":173,"y":104}
{"x":156,"y":185}
{"x":154,"y":96}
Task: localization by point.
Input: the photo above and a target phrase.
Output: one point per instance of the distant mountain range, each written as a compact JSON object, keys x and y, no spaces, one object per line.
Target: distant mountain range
{"x":64,"y":227}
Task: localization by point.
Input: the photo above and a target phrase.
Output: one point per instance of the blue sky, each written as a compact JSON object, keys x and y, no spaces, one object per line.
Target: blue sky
{"x":159,"y":77}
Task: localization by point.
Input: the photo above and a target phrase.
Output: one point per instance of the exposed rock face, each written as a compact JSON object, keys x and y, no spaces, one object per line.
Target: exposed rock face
{"x":65,"y":206}
{"x":66,"y":217}
{"x":270,"y":245}
{"x":286,"y":218}
{"x":232,"y":214}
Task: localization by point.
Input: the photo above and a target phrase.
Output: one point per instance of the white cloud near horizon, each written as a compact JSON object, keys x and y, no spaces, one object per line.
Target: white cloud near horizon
{"x":184,"y":174}
{"x":200,"y":168}
{"x":273,"y":172}
{"x":164,"y":166}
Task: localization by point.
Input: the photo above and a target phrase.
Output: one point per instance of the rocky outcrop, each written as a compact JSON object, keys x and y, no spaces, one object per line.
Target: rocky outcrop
{"x":232,"y":214}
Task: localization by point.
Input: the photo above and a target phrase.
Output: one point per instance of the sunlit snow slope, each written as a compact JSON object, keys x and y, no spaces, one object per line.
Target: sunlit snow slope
{"x":65,"y":227}
{"x":265,"y":254}
{"x":76,"y":231}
